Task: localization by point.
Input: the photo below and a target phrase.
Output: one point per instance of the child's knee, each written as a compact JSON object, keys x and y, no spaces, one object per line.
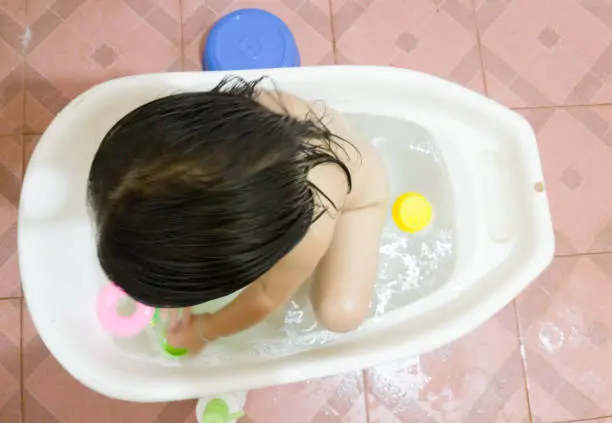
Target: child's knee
{"x":341,"y":316}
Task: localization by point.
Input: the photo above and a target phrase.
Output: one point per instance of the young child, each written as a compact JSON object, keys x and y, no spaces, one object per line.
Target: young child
{"x":199,"y":195}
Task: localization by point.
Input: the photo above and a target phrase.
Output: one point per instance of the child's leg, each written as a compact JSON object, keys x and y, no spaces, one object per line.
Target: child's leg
{"x":339,"y":307}
{"x":345,"y":278}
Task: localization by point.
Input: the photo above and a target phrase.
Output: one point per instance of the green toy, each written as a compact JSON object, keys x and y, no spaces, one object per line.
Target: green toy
{"x":167,"y":348}
{"x":217,"y":411}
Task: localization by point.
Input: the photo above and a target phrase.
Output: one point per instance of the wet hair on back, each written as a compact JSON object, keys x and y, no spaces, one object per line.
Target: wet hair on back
{"x":196,"y":195}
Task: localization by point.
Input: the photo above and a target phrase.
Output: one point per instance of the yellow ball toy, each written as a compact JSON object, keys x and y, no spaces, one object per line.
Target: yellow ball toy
{"x":412,"y":212}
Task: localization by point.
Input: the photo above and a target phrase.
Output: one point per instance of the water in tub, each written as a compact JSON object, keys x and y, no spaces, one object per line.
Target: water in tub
{"x":411,"y":265}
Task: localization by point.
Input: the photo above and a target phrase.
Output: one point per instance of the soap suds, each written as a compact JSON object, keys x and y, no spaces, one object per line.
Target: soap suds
{"x":26,"y":38}
{"x":551,"y":337}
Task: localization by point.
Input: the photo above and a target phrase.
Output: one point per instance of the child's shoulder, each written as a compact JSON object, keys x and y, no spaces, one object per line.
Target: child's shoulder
{"x":364,"y":162}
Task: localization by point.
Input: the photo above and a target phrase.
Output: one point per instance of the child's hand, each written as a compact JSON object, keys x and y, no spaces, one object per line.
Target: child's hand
{"x":184,"y":331}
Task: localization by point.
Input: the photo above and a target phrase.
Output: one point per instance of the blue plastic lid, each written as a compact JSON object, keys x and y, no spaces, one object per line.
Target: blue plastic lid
{"x":250,"y":39}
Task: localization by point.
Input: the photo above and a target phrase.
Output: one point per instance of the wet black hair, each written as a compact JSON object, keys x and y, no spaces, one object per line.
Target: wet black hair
{"x":198,"y":194}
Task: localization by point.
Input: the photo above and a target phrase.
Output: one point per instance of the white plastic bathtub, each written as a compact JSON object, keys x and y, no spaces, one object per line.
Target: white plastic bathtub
{"x":503,"y":229}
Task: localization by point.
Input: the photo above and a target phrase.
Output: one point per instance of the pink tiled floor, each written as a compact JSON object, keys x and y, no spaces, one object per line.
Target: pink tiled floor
{"x":544,"y":358}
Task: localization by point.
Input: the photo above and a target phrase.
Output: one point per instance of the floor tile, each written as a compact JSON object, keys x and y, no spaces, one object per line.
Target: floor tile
{"x":547,"y":51}
{"x":10,"y":186}
{"x":566,"y":325}
{"x":336,"y":399}
{"x":10,"y":406}
{"x":308,"y":20}
{"x":29,"y":144}
{"x":576,"y":152}
{"x":12,"y":29}
{"x":478,"y":379}
{"x":51,"y":395}
{"x":77,"y":44}
{"x":436,"y":37}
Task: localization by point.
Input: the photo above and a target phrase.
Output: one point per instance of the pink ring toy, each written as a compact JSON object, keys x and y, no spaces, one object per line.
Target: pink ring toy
{"x":108,"y":301}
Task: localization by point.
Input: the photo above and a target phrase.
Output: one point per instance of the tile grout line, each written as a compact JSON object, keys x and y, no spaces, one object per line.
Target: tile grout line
{"x":523,"y":360}
{"x":180,"y":2}
{"x":22,"y":405}
{"x":21,"y":381}
{"x":479,"y":47}
{"x":560,"y":106}
{"x":333,"y":31}
{"x":590,"y":419}
{"x":23,"y":106}
{"x":592,"y":253}
{"x":23,"y":161}
{"x":24,"y":53}
{"x":365,"y":394}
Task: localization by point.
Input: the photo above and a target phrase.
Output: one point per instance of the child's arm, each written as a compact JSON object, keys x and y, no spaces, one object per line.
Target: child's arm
{"x":250,"y":307}
{"x":259,"y":299}
{"x":274,"y":288}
